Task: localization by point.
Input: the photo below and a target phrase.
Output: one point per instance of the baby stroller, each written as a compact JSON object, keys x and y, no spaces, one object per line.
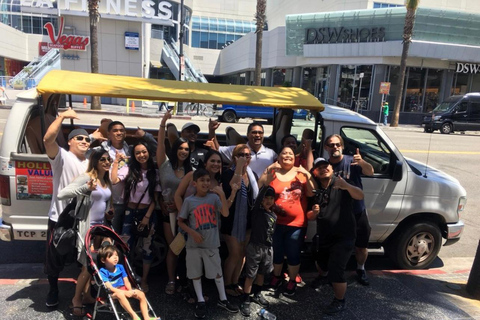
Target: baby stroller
{"x":104,"y":302}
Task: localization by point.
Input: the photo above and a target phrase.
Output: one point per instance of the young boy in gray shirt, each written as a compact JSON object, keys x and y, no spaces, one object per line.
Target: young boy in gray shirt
{"x":199,"y":217}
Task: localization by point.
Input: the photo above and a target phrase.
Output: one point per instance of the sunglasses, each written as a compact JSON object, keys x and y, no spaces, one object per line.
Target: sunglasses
{"x":246,"y":155}
{"x":103,"y":159}
{"x":181,"y":148}
{"x":332,"y":145}
{"x":80,"y":138}
{"x":256,"y":132}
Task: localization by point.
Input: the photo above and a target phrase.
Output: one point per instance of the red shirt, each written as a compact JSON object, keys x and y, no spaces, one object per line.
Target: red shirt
{"x":291,"y":201}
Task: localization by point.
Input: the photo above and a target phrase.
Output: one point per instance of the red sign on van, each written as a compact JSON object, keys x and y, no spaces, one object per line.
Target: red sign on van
{"x":65,"y":42}
{"x":34,"y":180}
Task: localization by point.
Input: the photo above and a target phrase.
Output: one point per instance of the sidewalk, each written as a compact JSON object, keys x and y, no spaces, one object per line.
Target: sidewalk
{"x":438,"y":293}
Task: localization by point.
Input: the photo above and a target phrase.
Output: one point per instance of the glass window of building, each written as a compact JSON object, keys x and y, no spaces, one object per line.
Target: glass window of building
{"x":349,"y":90}
{"x":475,"y":83}
{"x":379,"y":5}
{"x":430,"y":101}
{"x":415,"y":89}
{"x":460,"y":83}
{"x":222,"y":31}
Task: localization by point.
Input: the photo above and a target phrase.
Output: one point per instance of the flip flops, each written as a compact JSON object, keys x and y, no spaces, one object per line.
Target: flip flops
{"x":78,"y":311}
{"x":170,"y":288}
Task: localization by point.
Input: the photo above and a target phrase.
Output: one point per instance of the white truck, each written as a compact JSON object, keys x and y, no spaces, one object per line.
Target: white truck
{"x":409,"y":211}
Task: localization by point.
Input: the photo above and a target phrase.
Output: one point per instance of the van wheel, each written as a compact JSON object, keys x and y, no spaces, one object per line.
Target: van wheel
{"x":415,"y":246}
{"x":446,"y":128}
{"x":229,"y":116}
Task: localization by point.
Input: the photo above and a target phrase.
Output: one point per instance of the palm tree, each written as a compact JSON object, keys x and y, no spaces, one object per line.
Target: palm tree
{"x":411,"y":6}
{"x":260,"y":17}
{"x":94,"y":16}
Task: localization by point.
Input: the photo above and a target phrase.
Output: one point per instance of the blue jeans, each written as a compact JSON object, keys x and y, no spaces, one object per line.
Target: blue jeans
{"x":385,"y":118}
{"x":147,"y":243}
{"x":288,"y":241}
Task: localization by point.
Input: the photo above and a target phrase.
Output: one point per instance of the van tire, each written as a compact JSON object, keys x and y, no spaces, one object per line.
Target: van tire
{"x":229,"y":116}
{"x":446,"y":128}
{"x":405,"y":249}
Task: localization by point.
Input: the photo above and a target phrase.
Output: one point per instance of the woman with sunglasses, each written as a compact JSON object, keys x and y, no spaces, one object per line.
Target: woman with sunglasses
{"x":172,"y":169}
{"x":292,"y":187}
{"x":240,"y":186}
{"x":141,"y":184}
{"x":93,"y":192}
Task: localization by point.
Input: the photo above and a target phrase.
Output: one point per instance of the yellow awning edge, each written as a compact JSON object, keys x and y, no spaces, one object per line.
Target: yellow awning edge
{"x":116,"y":86}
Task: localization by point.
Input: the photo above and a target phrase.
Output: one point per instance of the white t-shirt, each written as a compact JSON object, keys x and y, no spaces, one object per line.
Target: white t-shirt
{"x":65,"y":167}
{"x":259,"y":161}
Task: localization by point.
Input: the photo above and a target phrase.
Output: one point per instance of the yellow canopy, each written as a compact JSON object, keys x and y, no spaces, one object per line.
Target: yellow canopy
{"x":104,"y":85}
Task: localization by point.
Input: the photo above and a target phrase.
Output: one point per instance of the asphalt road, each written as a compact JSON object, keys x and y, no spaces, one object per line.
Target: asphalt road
{"x":455,"y":154}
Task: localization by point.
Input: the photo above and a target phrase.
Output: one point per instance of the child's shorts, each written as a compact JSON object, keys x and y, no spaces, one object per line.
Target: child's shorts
{"x":259,"y":260}
{"x":199,"y":259}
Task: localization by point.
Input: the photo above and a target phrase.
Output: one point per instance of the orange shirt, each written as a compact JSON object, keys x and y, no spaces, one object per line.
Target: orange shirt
{"x":291,"y":201}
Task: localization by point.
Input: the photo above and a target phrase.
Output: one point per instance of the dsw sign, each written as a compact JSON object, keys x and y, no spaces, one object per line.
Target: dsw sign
{"x":468,"y":68}
{"x":65,"y":42}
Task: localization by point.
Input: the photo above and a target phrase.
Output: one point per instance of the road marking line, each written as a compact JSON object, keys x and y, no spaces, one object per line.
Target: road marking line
{"x":440,"y":152}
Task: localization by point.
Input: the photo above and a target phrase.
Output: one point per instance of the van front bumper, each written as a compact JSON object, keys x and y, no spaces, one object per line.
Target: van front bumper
{"x":432,"y":125}
{"x":5,"y":231}
{"x":454,"y":231}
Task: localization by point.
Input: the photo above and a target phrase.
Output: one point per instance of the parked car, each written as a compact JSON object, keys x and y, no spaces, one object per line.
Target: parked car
{"x":456,"y":113}
{"x":231,"y":113}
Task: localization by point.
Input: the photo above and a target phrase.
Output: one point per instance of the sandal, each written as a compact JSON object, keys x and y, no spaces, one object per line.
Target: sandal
{"x":170,"y":288}
{"x":81,"y":313}
{"x":231,"y":290}
{"x":145,"y":288}
{"x":238,"y":289}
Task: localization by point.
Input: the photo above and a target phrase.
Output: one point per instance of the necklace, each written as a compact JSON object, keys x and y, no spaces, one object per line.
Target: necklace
{"x":180,"y":169}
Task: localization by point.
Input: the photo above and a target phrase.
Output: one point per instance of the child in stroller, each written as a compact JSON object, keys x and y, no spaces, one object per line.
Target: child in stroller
{"x":116,"y":280}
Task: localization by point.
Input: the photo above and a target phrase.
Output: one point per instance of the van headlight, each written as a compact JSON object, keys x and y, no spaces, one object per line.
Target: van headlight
{"x":436,"y":118}
{"x":462,"y":201}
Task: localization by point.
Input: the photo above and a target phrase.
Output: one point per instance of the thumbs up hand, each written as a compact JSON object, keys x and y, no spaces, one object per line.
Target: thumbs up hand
{"x":357,"y":158}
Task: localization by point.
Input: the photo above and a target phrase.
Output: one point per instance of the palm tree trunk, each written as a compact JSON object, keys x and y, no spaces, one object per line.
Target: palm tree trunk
{"x":94,"y":18}
{"x":260,"y":17}
{"x":407,"y":39}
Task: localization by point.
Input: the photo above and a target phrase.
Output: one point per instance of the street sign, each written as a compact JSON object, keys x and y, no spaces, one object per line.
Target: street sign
{"x":384,"y":87}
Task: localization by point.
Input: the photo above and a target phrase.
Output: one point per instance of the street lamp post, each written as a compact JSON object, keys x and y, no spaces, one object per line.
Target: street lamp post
{"x":181,"y":62}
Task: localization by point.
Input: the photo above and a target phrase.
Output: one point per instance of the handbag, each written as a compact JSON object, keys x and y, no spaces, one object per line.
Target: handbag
{"x":65,"y":232}
{"x":137,"y":221}
{"x":178,"y":243}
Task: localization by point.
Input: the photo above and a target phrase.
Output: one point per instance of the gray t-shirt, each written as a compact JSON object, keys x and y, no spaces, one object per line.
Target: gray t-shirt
{"x":203,"y":215}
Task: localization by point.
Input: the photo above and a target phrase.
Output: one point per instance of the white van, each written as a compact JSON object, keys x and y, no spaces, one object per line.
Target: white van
{"x":409,"y":212}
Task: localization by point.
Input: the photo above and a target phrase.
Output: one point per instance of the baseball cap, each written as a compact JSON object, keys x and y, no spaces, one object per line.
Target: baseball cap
{"x":270,"y":192}
{"x":77,"y":132}
{"x":191,"y":124}
{"x":319,"y":161}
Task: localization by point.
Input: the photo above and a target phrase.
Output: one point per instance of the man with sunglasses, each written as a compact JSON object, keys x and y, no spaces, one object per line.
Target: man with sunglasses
{"x":336,"y":228}
{"x":66,"y":165}
{"x":351,"y":168}
{"x":261,"y":156}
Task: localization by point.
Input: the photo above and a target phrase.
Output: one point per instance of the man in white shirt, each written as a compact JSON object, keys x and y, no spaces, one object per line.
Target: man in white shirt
{"x":262,"y":156}
{"x":66,"y":165}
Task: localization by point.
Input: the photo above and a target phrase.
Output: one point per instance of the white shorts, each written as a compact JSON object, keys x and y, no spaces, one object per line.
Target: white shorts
{"x":199,"y":259}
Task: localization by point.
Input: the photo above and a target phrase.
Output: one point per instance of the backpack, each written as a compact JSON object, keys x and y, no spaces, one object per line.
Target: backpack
{"x":65,"y":232}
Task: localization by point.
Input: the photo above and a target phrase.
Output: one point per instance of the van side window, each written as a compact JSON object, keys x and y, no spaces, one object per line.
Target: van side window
{"x":475,"y":108}
{"x":462,"y":107}
{"x":371,"y":146}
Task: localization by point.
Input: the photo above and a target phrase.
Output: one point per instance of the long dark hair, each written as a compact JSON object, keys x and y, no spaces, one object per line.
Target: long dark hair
{"x":93,"y":164}
{"x":203,"y":163}
{"x":135,"y":173}
{"x":173,"y":157}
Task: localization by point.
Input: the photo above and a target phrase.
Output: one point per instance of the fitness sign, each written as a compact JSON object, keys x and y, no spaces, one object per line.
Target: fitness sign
{"x":65,"y":42}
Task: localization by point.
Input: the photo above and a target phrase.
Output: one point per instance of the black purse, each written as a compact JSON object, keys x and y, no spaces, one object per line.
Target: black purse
{"x":137,"y":221}
{"x":65,"y":232}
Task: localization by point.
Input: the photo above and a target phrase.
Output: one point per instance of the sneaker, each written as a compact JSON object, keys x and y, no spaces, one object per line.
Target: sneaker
{"x":276,"y":282}
{"x":52,"y":298}
{"x":200,"y":310}
{"x":362,"y":277}
{"x":245,"y":309}
{"x":258,"y":298}
{"x":335,"y":307}
{"x":225,"y":304}
{"x":319,"y":282}
{"x":298,"y":279}
{"x":290,"y":289}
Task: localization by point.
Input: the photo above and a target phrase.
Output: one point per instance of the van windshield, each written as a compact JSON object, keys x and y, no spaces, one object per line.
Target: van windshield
{"x":447,"y":104}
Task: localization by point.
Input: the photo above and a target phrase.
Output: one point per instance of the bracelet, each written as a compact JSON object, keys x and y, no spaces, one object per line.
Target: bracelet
{"x":238,"y":175}
{"x":146,"y":217}
{"x":230,"y":200}
{"x":162,"y":126}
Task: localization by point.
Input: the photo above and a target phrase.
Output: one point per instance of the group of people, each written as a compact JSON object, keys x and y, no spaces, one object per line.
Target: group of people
{"x":256,"y":200}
